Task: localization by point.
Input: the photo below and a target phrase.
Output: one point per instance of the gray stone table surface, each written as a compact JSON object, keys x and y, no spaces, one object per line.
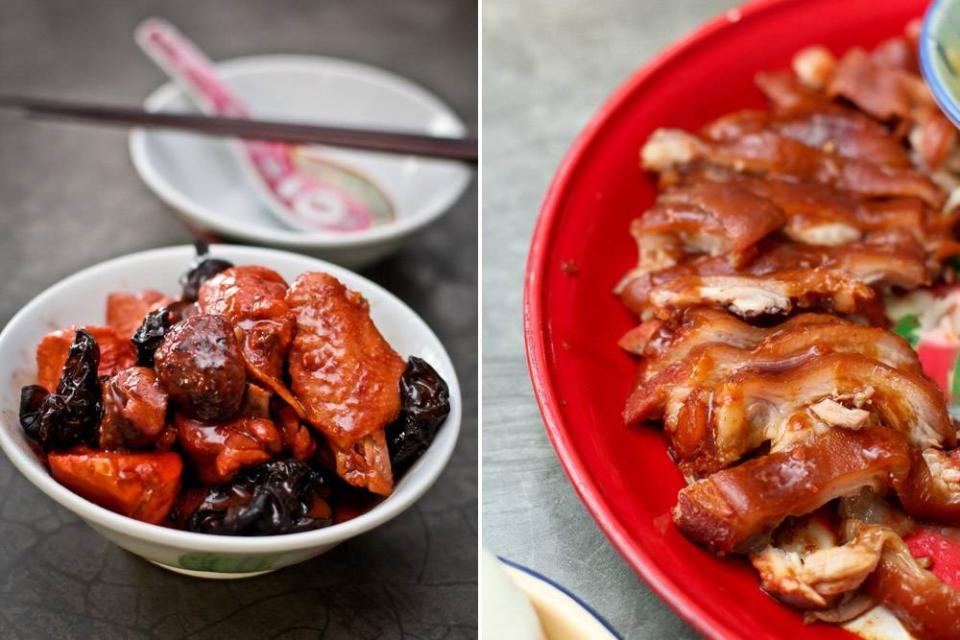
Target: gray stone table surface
{"x":69,"y":198}
{"x":547,"y":66}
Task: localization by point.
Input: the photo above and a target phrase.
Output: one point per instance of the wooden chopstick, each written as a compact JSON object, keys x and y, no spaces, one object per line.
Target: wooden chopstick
{"x":464,"y":149}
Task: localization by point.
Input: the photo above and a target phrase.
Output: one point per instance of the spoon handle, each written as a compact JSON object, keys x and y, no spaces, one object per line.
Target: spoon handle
{"x":294,"y":197}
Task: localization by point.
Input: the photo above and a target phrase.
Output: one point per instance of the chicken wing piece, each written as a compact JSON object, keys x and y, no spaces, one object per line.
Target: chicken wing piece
{"x":772,"y":154}
{"x":734,"y":510}
{"x":780,"y":293}
{"x":669,"y":341}
{"x":927,"y":607}
{"x":345,"y":374}
{"x":366,"y":463}
{"x":717,"y":426}
{"x":253,"y":299}
{"x":116,"y":354}
{"x":712,"y":218}
{"x":709,"y":364}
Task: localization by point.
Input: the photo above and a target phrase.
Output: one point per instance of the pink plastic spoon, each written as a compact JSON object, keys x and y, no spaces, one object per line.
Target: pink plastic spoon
{"x":294,"y":197}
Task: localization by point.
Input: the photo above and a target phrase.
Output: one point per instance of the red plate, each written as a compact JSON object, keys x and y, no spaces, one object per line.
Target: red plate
{"x":581,"y":247}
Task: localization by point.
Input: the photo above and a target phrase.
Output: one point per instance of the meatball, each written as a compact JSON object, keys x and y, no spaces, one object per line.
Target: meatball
{"x":200,"y":366}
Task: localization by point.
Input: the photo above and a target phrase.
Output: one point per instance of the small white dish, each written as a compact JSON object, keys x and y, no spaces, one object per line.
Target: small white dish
{"x":81,"y":298}
{"x":561,"y":614}
{"x":204,"y":183}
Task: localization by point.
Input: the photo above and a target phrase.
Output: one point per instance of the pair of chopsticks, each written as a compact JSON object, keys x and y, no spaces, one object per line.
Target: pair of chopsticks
{"x":463,"y":149}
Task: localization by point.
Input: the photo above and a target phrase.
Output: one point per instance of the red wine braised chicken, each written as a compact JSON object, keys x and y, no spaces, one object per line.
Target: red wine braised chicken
{"x":763,"y":343}
{"x":245,"y":407}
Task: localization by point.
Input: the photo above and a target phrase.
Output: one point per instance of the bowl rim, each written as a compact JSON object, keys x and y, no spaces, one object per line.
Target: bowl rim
{"x":537,"y":350}
{"x":558,"y":588}
{"x":928,"y":49}
{"x":431,"y":467}
{"x":207,"y":218}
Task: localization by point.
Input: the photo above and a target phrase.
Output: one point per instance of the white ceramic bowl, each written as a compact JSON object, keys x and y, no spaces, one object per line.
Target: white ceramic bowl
{"x":204,"y":183}
{"x":80,"y":299}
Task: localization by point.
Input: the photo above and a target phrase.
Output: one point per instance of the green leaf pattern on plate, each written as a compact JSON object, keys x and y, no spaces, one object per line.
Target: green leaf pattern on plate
{"x":908,"y":327}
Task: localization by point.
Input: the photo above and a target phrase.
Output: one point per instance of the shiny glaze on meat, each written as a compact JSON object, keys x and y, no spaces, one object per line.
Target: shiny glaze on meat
{"x":717,"y":426}
{"x":708,"y":363}
{"x":134,"y":411}
{"x":342,"y":370}
{"x":253,"y":299}
{"x":834,"y":196}
{"x":200,"y":366}
{"x":219,"y":451}
{"x":346,"y":376}
{"x":733,"y":510}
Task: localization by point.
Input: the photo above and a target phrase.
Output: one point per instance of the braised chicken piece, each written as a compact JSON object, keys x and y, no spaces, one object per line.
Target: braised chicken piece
{"x":717,"y":426}
{"x":345,"y":375}
{"x":116,"y":353}
{"x":141,"y":485}
{"x":253,"y":299}
{"x":296,"y":435}
{"x":366,"y":463}
{"x":126,"y":311}
{"x":134,"y":411}
{"x":219,"y":451}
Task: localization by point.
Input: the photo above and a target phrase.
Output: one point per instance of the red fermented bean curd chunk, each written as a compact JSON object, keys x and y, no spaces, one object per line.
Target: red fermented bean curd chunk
{"x":142,"y":485}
